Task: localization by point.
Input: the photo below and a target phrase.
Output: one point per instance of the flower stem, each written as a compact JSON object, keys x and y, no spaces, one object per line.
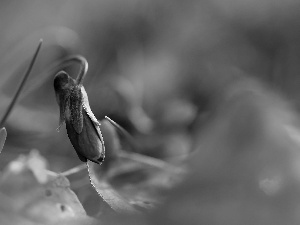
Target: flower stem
{"x":83,"y":68}
{"x":74,"y":170}
{"x":69,"y":172}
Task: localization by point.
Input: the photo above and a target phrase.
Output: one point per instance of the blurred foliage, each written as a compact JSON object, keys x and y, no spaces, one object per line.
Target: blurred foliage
{"x":209,"y":87}
{"x":35,"y":197}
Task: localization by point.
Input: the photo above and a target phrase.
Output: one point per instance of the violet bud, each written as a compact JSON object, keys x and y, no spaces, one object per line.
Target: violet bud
{"x":82,"y":126}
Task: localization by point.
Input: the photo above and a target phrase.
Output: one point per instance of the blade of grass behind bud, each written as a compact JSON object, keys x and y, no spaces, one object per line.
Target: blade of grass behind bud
{"x":3,"y":135}
{"x":123,"y":132}
{"x":158,"y":163}
{"x":13,"y":101}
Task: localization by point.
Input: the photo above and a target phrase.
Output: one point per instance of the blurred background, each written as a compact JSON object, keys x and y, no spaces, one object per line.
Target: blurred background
{"x":213,"y":82}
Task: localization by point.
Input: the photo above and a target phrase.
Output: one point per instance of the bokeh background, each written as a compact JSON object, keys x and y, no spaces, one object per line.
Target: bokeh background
{"x":213,"y":82}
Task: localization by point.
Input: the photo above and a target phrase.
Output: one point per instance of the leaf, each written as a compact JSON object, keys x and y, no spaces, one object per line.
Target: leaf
{"x":47,"y":201}
{"x":109,"y":195}
{"x":3,"y":135}
{"x":56,"y":203}
{"x":112,"y":144}
{"x":38,"y":165}
{"x":130,"y":180}
{"x":10,"y":218}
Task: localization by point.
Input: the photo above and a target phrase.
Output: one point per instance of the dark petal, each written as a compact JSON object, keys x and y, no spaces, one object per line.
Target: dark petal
{"x":63,"y":84}
{"x":61,"y":81}
{"x":87,"y":144}
{"x":63,"y":104}
{"x":76,"y":109}
{"x":82,"y":158}
{"x":74,"y":138}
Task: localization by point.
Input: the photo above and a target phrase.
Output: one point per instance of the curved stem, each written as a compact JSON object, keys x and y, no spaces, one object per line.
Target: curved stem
{"x":55,"y":67}
{"x":78,"y":59}
{"x":83,"y":69}
{"x":13,"y":101}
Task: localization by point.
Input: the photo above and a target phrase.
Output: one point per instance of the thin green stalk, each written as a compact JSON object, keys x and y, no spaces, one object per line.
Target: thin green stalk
{"x":158,"y":163}
{"x":129,"y":138}
{"x":13,"y":101}
{"x":74,"y":170}
{"x":150,"y":161}
{"x":69,"y":172}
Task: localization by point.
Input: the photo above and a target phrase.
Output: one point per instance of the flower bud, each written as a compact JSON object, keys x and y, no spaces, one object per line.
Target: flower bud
{"x":82,"y":126}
